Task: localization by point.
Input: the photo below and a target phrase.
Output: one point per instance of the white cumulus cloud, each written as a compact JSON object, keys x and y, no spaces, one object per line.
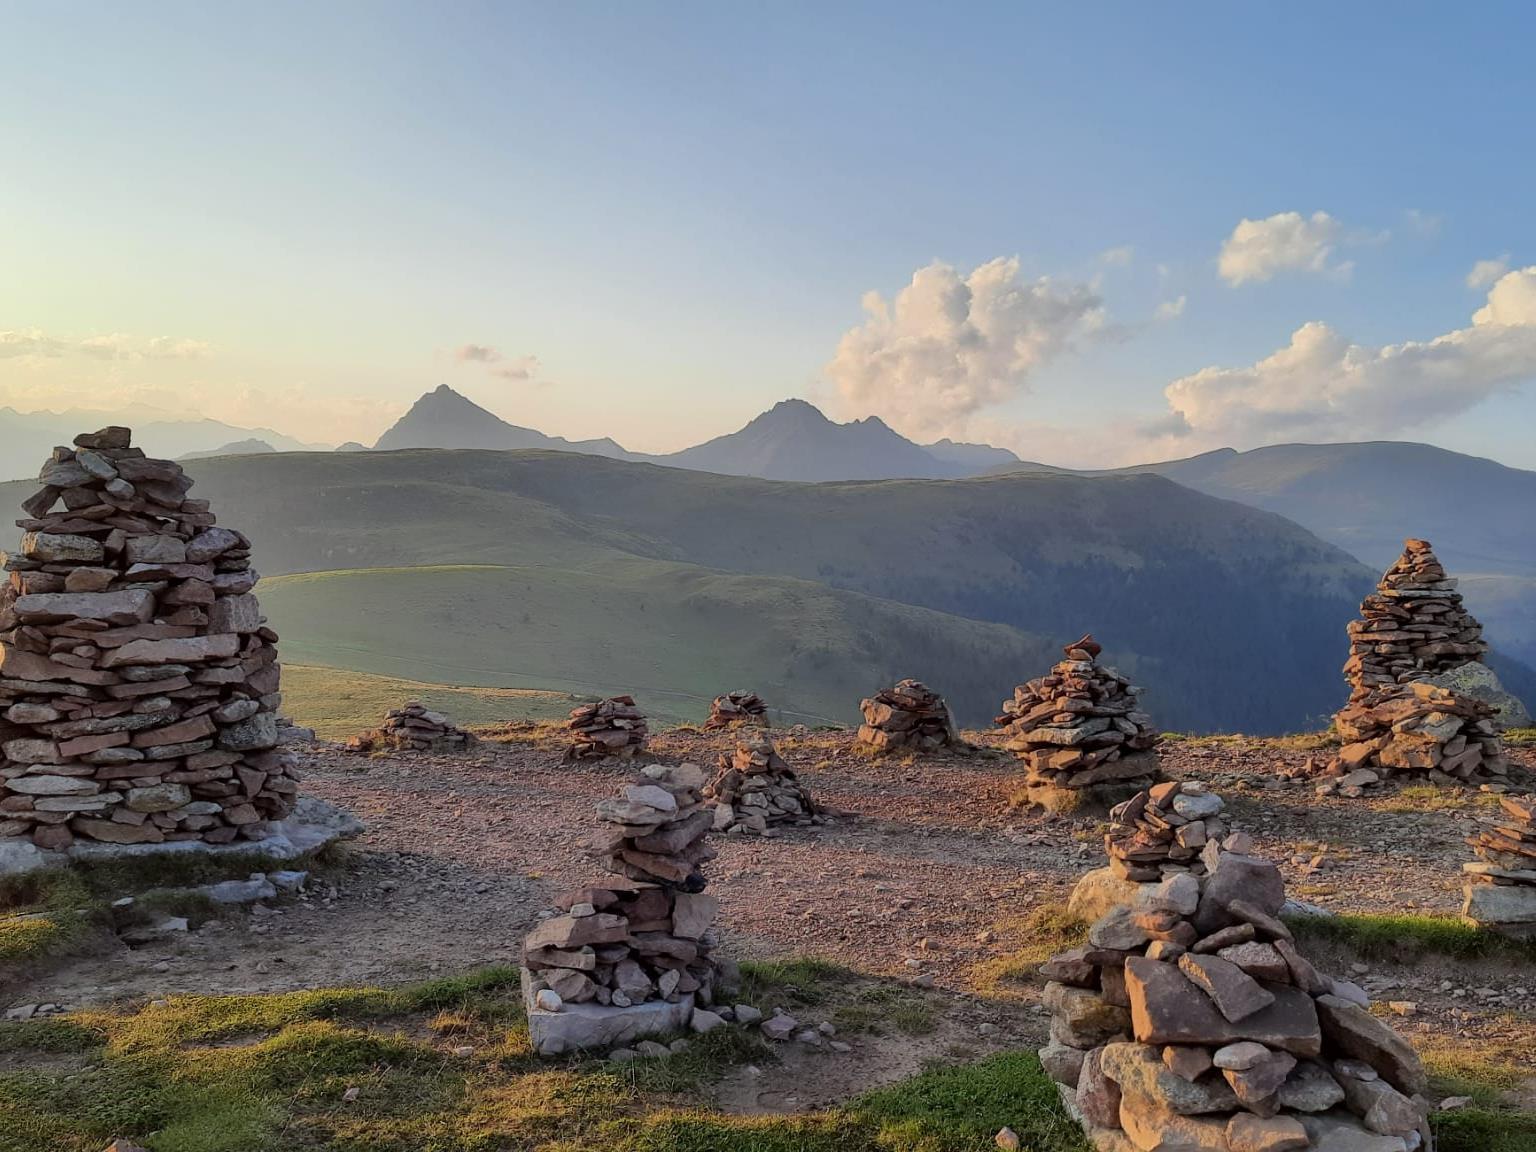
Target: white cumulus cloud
{"x":950,"y":344}
{"x":1284,"y":242}
{"x":1322,"y":386}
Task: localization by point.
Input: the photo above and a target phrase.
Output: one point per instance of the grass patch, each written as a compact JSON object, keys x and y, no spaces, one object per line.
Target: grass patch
{"x":1487,"y":1074}
{"x":1046,"y":931}
{"x":274,"y":1073}
{"x":1521,"y":737}
{"x":1434,"y":798}
{"x":802,"y":981}
{"x":1405,"y":937}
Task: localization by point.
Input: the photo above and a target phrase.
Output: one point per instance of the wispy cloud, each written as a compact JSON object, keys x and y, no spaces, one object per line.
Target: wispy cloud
{"x":518,"y":368}
{"x":110,"y":346}
{"x":1486,"y":272}
{"x":1171,"y":309}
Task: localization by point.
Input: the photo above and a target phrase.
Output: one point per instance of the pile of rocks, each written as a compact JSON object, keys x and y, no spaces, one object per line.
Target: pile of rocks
{"x":1501,"y":886}
{"x":611,"y":727}
{"x":634,"y":956}
{"x":1412,"y":627}
{"x":756,"y":789}
{"x":1191,"y":1020}
{"x":1163,"y":831}
{"x":1419,"y":728}
{"x":1079,"y":727}
{"x":907,"y":716}
{"x":138,"y":678}
{"x":414,"y":728}
{"x":735,"y":708}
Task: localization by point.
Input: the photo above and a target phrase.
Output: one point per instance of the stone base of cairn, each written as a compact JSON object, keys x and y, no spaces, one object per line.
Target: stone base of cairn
{"x":756,"y":789}
{"x":138,"y":678}
{"x":908,"y":716}
{"x":1081,"y":734}
{"x":737,"y":708}
{"x":1420,"y":729}
{"x":633,"y":956}
{"x":1501,"y":886}
{"x":414,"y":728}
{"x":1191,"y":1020}
{"x":611,"y":727}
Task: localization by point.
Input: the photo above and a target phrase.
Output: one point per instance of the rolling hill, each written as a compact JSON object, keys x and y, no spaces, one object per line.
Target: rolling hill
{"x":1480,"y":515}
{"x":1232,"y":616}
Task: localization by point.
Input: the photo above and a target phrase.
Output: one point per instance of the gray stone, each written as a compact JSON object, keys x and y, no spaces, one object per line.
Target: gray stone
{"x":1141,"y":1074}
{"x":61,"y":548}
{"x":255,"y":732}
{"x":1480,"y":682}
{"x":1062,"y":1063}
{"x":156,"y":550}
{"x":1343,"y":1133}
{"x":1355,"y":1033}
{"x":237,"y":614}
{"x":128,"y":606}
{"x":1082,"y":1019}
{"x":240,"y":891}
{"x":780,"y":1027}
{"x":1100,"y":891}
{"x":1310,"y":1088}
{"x":179,"y":650}
{"x":1167,"y":1008}
{"x":53,"y":785}
{"x":1254,"y":881}
{"x":1236,"y":994}
{"x":158,"y":798}
{"x":1249,"y":1133}
{"x":1500,"y":903}
{"x":703,"y":1021}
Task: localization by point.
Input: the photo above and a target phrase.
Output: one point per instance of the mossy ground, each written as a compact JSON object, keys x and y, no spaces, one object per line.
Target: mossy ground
{"x":446,"y":1067}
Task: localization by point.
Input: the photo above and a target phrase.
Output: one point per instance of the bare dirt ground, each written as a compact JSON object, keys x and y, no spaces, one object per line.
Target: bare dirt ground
{"x":923,"y":869}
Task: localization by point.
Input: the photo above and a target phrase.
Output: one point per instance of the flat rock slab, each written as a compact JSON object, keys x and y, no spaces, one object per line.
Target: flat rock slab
{"x":313,"y":825}
{"x":591,"y":1027}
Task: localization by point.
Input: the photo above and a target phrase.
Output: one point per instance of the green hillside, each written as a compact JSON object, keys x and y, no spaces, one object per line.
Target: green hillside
{"x":673,"y":634}
{"x":1237,"y":615}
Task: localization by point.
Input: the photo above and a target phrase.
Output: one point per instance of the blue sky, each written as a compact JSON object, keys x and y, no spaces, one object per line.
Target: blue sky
{"x":295,"y":215}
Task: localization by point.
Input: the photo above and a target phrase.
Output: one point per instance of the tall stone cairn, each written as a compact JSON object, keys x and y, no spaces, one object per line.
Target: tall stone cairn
{"x":1411,"y":629}
{"x":1164,"y":830}
{"x":1500,"y":886}
{"x":1080,"y":726}
{"x":737,"y":708}
{"x":907,"y":716}
{"x":1191,"y":1020}
{"x":645,"y":935}
{"x":413,"y":728}
{"x":138,"y":679}
{"x":756,"y":789}
{"x":611,"y":727}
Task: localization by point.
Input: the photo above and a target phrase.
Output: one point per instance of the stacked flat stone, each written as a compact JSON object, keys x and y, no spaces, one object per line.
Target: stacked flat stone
{"x":414,"y":728}
{"x":611,"y":727}
{"x":735,"y":708}
{"x":631,"y":956}
{"x":1417,"y":728}
{"x":1191,"y":1020}
{"x":908,"y":716}
{"x":1412,"y":627}
{"x":1501,"y":885}
{"x":1080,"y":726}
{"x":138,"y":678}
{"x":1163,"y":831}
{"x":756,"y":789}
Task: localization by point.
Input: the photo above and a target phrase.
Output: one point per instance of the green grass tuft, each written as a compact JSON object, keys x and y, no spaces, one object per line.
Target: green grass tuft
{"x":1404,"y":937}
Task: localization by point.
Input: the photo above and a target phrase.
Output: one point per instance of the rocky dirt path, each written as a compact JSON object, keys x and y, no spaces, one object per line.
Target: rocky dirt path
{"x":923,"y":870}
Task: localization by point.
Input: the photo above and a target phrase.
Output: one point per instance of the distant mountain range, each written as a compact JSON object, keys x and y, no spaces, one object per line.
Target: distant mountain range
{"x":238,"y":448}
{"x":793,"y":440}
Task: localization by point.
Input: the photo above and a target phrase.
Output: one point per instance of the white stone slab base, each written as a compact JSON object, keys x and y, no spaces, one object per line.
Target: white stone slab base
{"x":590,"y":1027}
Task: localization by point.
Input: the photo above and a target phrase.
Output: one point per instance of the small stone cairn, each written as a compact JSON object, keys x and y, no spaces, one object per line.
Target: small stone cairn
{"x":1163,"y":831}
{"x":611,"y":727}
{"x":1501,"y":885}
{"x":737,"y":708}
{"x":1191,"y":1020}
{"x":908,"y":716}
{"x":1080,"y":727}
{"x":414,"y":728}
{"x":632,"y":956}
{"x":138,"y":677}
{"x":756,"y":789}
{"x":1411,"y":629}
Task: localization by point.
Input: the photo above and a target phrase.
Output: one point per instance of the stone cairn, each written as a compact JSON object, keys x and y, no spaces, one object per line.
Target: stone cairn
{"x":1191,"y":1020}
{"x":611,"y":727}
{"x":414,"y":728}
{"x":756,"y":789}
{"x":1412,"y":628}
{"x":1080,"y":727}
{"x":138,"y":679}
{"x":631,"y":956}
{"x":736,"y":708}
{"x":1501,"y":885}
{"x":1163,"y":831}
{"x":907,"y":716}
